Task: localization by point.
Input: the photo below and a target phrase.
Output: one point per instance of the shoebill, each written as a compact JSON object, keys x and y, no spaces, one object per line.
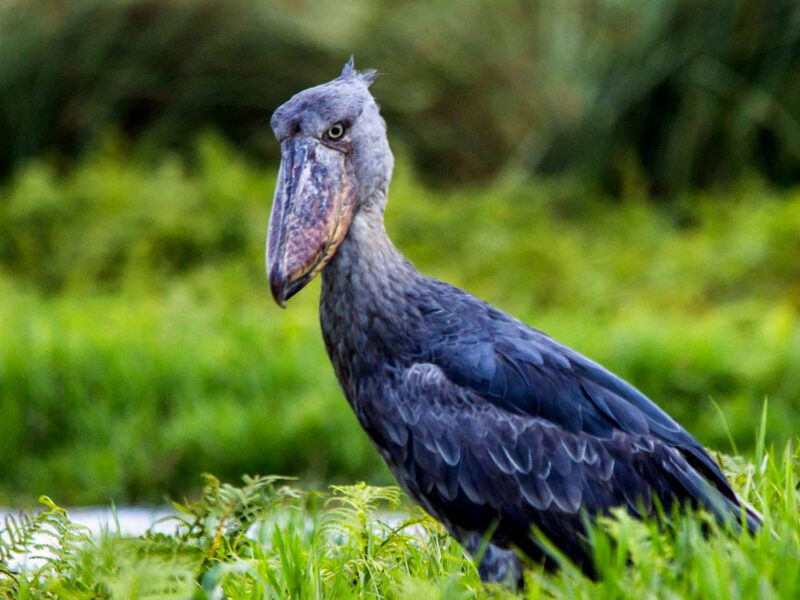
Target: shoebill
{"x":497,"y":430}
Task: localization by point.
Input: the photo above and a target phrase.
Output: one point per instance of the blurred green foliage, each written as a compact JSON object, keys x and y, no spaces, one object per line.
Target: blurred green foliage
{"x":659,"y":96}
{"x":139,"y":345}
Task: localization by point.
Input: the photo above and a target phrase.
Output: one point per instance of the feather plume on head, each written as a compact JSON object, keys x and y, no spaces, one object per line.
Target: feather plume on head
{"x":349,"y":72}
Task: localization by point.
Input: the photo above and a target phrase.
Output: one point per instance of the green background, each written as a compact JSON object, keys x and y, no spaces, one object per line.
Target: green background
{"x":621,"y":175}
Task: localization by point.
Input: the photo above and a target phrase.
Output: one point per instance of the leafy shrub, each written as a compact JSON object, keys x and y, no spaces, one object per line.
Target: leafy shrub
{"x":113,"y":218}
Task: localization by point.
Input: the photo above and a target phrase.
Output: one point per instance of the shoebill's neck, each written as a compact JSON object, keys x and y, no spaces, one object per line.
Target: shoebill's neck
{"x":367,"y":301}
{"x":366,"y":264}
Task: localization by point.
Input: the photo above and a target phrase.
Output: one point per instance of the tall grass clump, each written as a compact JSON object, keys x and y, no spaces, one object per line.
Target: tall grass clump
{"x":267,"y":539}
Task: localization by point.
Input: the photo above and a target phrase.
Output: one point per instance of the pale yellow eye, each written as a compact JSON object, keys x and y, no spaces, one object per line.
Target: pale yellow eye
{"x":336,"y":131}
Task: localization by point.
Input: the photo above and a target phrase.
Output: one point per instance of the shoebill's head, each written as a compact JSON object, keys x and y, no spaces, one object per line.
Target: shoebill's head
{"x":335,"y":161}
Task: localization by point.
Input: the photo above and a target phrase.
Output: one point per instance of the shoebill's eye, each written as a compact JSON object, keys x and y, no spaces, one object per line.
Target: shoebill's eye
{"x":335,"y":132}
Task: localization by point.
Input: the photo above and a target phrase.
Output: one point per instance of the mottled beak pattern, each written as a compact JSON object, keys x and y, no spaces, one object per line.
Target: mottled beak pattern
{"x":314,"y":203}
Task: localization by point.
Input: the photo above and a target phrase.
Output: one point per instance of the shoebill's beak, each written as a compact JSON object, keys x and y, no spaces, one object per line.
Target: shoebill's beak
{"x":312,"y":209}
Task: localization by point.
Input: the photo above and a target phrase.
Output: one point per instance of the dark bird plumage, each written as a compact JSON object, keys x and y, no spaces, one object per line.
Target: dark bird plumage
{"x":493,"y":427}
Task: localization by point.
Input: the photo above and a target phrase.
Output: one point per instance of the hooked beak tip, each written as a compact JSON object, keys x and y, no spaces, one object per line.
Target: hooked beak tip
{"x":277,"y":285}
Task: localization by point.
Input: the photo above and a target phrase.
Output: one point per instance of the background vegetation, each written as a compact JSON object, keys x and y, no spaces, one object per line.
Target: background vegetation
{"x":141,"y":347}
{"x":620,"y":174}
{"x":663,"y":95}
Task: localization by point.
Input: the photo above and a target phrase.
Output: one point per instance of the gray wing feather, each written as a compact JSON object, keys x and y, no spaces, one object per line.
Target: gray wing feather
{"x":524,"y":371}
{"x":476,"y":466}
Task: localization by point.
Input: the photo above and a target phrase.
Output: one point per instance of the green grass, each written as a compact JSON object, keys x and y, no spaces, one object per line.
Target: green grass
{"x":139,"y":346}
{"x":267,"y":539}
